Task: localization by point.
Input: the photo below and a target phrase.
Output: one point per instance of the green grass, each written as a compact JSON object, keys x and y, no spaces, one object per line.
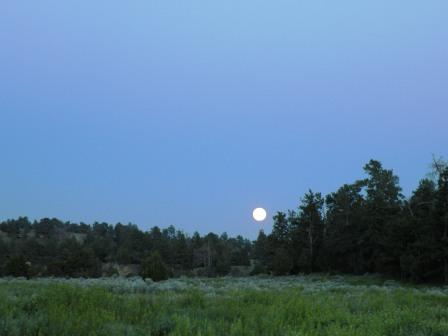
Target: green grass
{"x":314,"y":305}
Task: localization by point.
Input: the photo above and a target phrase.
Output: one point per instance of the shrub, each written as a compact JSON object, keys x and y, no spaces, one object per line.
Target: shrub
{"x":282,"y":262}
{"x":154,"y":268}
{"x":258,"y":269}
{"x":18,"y":267}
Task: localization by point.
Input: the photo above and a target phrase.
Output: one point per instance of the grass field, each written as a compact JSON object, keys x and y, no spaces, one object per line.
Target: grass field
{"x":302,"y":305}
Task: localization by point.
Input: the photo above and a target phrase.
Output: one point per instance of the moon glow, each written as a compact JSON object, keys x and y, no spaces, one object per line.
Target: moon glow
{"x":259,"y":214}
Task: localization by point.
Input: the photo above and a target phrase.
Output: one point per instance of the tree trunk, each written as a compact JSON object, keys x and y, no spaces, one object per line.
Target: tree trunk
{"x":311,"y":242}
{"x":445,"y":269}
{"x":445,"y":257}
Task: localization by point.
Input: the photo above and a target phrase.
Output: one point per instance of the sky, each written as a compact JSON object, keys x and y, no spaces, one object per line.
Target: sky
{"x":192,"y":113}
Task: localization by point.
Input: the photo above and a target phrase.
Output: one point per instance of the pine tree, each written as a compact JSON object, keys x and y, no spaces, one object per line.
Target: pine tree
{"x":343,"y":221}
{"x":307,"y":231}
{"x":382,"y":209}
{"x":441,"y":210}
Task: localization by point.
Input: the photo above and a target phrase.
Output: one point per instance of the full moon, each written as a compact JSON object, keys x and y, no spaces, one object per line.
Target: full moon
{"x":259,"y":214}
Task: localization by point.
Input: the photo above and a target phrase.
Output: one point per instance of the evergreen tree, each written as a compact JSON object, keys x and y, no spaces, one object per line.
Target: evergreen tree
{"x":344,"y":218}
{"x":383,"y":207}
{"x":441,"y":212}
{"x":280,"y":231}
{"x":261,"y":249}
{"x":307,"y":231}
{"x":416,"y":261}
{"x":154,"y":268}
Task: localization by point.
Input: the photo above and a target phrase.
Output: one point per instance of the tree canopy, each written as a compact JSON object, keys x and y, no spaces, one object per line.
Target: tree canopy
{"x":366,"y":226}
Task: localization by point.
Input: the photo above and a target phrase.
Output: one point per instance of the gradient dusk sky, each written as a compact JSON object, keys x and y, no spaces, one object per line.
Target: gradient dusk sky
{"x":192,"y":113}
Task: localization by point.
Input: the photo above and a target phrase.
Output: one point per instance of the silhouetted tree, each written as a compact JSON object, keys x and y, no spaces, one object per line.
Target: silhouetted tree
{"x":343,"y":223}
{"x":307,"y":227}
{"x":383,"y":207}
{"x":154,"y":268}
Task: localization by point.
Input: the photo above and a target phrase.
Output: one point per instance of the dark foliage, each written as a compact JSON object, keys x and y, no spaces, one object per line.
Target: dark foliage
{"x":154,"y":268}
{"x":50,"y":247}
{"x":366,"y":226}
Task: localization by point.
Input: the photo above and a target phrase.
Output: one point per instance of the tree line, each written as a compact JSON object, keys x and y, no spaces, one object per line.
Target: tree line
{"x":367,"y":226}
{"x":50,"y":247}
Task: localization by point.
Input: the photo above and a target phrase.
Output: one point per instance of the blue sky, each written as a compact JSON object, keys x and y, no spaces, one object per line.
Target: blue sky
{"x":192,"y":113}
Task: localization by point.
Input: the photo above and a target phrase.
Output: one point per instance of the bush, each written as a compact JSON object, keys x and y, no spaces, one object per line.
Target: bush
{"x":258,"y":269}
{"x":18,"y":267}
{"x":282,"y":262}
{"x":154,"y":268}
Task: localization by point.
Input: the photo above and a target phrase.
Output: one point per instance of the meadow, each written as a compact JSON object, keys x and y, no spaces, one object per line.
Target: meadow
{"x":313,"y":305}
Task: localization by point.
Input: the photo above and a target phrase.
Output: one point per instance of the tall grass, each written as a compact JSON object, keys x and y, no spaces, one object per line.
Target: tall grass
{"x":307,"y":305}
